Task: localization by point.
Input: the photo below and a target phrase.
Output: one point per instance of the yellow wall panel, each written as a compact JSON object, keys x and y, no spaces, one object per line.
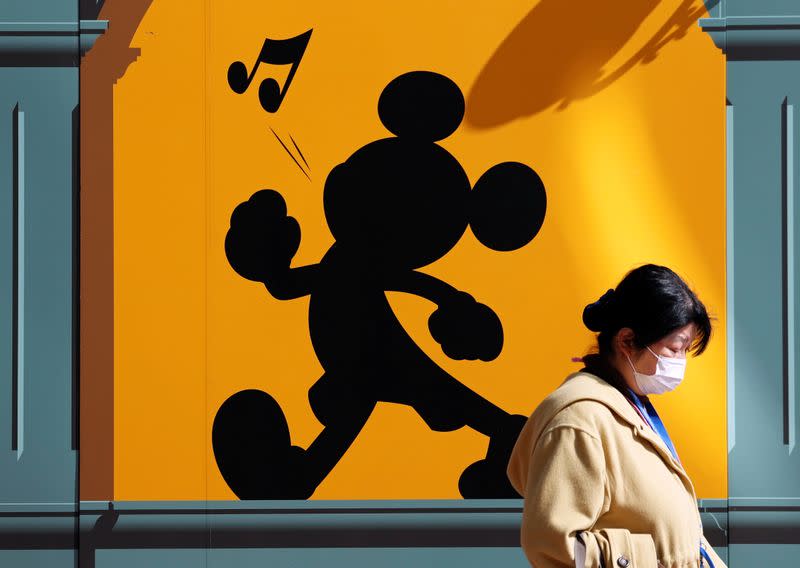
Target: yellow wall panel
{"x":618,"y":109}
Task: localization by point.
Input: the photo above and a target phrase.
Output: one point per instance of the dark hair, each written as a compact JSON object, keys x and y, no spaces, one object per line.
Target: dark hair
{"x":653,"y":301}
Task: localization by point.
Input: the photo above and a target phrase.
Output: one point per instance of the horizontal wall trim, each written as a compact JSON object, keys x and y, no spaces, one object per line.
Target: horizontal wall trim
{"x":306,"y":524}
{"x":756,"y":37}
{"x":284,"y":524}
{"x":751,"y":22}
{"x":777,"y":503}
{"x":26,"y":39}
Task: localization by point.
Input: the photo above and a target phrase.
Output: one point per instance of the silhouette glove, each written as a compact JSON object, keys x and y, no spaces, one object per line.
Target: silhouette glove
{"x":466,"y":329}
{"x":262,"y":239}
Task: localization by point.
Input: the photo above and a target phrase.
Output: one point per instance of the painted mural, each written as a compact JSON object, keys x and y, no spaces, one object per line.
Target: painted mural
{"x":394,"y":206}
{"x":465,"y":179}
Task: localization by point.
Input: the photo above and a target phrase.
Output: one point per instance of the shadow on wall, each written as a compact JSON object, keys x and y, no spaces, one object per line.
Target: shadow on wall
{"x":523,"y":78}
{"x":90,"y":9}
{"x":100,"y":69}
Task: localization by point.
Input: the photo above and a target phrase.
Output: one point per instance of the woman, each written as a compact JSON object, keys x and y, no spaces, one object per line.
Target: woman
{"x":602,"y":481}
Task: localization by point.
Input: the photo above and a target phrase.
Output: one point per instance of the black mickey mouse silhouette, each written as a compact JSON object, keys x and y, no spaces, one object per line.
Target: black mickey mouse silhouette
{"x":394,"y":206}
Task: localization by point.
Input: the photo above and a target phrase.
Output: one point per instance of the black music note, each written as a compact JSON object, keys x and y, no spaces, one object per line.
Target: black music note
{"x":276,"y":52}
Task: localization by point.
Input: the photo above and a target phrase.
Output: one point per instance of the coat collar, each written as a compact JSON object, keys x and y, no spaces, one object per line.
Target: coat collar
{"x":586,"y":386}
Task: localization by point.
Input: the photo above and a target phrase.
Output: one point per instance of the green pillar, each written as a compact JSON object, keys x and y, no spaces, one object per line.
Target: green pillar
{"x":761,"y":42}
{"x":41,"y":42}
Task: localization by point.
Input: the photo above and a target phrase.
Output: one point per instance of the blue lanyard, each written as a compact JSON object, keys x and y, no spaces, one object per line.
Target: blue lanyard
{"x":654,"y":420}
{"x":704,"y":552}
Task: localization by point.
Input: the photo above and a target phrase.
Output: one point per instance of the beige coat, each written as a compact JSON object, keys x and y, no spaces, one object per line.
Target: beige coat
{"x":587,"y":463}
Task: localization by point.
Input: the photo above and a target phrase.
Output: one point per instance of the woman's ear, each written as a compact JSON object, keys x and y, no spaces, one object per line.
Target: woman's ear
{"x":623,"y":341}
{"x":507,"y":206}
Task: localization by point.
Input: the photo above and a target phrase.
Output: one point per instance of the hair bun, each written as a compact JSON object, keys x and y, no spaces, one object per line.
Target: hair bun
{"x":597,"y":315}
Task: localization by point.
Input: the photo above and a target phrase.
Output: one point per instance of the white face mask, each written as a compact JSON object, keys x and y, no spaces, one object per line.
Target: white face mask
{"x":668,"y":375}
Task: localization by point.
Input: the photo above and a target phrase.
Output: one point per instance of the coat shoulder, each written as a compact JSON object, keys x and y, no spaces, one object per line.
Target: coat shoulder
{"x":585,"y":414}
{"x":584,"y":401}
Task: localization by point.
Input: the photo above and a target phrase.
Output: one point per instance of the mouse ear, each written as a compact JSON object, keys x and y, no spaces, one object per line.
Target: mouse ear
{"x":507,"y":206}
{"x":422,"y":105}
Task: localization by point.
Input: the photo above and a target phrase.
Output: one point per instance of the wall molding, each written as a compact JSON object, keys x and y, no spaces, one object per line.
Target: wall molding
{"x":23,"y":41}
{"x":302,"y":524}
{"x":755,"y":37}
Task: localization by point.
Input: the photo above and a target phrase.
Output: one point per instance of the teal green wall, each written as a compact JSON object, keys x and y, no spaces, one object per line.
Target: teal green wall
{"x":761,"y":42}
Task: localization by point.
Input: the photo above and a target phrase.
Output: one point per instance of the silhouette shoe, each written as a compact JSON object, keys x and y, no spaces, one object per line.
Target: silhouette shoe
{"x":253,"y":450}
{"x":486,"y":478}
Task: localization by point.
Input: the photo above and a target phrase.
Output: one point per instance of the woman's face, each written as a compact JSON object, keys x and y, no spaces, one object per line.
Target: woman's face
{"x":673,"y":345}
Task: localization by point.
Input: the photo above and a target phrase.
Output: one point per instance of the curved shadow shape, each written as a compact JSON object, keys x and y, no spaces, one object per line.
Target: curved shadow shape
{"x":558,"y":52}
